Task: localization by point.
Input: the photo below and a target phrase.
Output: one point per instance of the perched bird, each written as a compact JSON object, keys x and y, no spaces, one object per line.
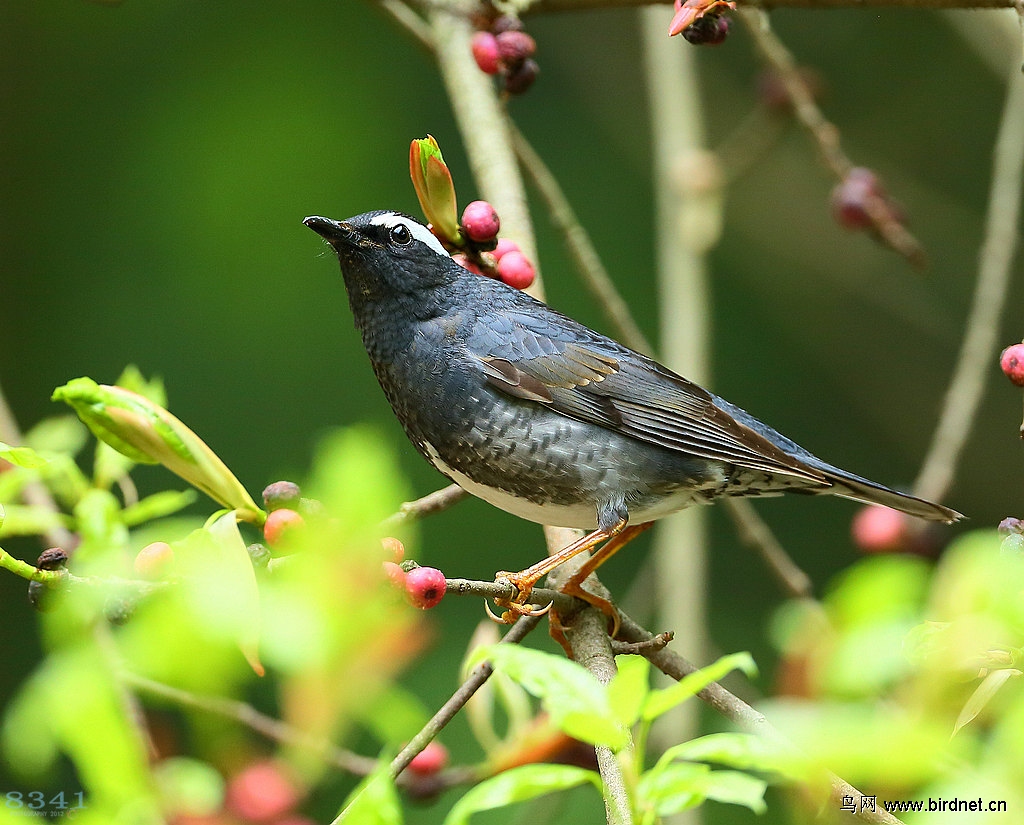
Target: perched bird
{"x":546,"y":418}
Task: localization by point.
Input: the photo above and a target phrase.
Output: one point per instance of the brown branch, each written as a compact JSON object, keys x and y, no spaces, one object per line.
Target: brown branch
{"x":978,"y":350}
{"x":736,"y":710}
{"x":428,"y":505}
{"x":825,"y":134}
{"x":480,"y":674}
{"x":756,"y":534}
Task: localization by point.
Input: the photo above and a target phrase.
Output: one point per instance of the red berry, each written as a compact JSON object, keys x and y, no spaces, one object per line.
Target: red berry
{"x":281,"y":494}
{"x":425,"y":587}
{"x":485,"y":52}
{"x":878,"y":529}
{"x":480,"y":221}
{"x":504,"y":245}
{"x":280,"y":524}
{"x":515,"y":269}
{"x":261,"y":793}
{"x":154,"y":559}
{"x":394,"y":548}
{"x":395,"y":574}
{"x":1012,"y":363}
{"x":430,"y":760}
{"x":850,"y":198}
{"x":515,"y":46}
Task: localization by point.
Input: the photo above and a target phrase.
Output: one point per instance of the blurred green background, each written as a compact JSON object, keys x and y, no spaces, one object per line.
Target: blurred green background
{"x":157,"y":160}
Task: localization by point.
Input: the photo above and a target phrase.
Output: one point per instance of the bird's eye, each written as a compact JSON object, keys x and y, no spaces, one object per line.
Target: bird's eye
{"x":400,"y":235}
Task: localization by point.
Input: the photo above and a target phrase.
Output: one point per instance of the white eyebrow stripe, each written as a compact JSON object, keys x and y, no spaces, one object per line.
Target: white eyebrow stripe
{"x":418,"y":230}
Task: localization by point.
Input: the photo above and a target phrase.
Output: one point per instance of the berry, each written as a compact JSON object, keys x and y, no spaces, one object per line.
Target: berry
{"x":709,"y":30}
{"x":504,"y":245}
{"x":480,"y":222}
{"x":878,"y":529}
{"x":395,"y":574}
{"x":425,"y":587}
{"x":259,"y":555}
{"x":394,"y":548}
{"x":514,"y":47}
{"x":261,"y":793}
{"x":281,"y":494}
{"x":851,"y":196}
{"x":432,"y":759}
{"x":154,"y":559}
{"x":280,"y":524}
{"x":515,"y":269}
{"x":507,"y":23}
{"x":1012,"y":363}
{"x":521,"y":77}
{"x":485,"y":52}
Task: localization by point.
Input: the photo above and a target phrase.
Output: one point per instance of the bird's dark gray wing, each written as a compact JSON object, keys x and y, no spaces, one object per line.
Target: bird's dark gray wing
{"x":535,"y":353}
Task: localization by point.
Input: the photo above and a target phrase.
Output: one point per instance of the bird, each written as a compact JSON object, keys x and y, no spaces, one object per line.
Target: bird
{"x":547,"y":419}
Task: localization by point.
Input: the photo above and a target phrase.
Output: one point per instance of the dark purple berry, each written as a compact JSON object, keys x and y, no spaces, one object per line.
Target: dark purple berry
{"x":514,"y":47}
{"x":521,"y":78}
{"x":709,"y":30}
{"x":281,"y":494}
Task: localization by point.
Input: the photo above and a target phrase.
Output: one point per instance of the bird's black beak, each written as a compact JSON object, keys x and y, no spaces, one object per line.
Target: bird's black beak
{"x":334,"y":232}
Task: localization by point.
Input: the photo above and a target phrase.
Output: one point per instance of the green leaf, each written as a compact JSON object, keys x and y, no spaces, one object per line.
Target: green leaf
{"x":58,"y":434}
{"x":518,"y":785}
{"x":628,"y":691}
{"x":147,"y":433}
{"x":741,"y":750}
{"x":577,"y":702}
{"x":982,"y":695}
{"x":24,"y":457}
{"x":661,"y":701}
{"x":373,"y":802}
{"x":682,"y":785}
{"x":24,"y":520}
{"x":189,"y":786}
{"x":158,"y":505}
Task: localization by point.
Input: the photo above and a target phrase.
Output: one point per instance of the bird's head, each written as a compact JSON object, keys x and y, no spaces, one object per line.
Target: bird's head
{"x":386,"y":255}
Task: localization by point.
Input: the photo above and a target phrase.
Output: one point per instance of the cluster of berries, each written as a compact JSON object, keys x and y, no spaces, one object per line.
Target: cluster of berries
{"x":488,"y":255}
{"x":424,"y":587}
{"x":503,"y":48}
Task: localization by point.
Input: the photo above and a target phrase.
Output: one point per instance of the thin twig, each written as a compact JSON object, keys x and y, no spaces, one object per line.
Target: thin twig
{"x":756,"y":534}
{"x":505,"y":591}
{"x":825,"y":134}
{"x":581,"y":249}
{"x":977,"y":351}
{"x":735,"y":709}
{"x":428,"y":505}
{"x":480,"y":674}
{"x":245,"y":714}
{"x":410,"y":21}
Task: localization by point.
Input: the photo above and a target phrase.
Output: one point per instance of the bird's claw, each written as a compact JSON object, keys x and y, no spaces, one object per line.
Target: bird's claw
{"x":516,"y":605}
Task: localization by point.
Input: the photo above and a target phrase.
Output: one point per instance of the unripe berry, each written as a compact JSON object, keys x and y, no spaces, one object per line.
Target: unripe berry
{"x":425,"y":587}
{"x":485,"y":52}
{"x":432,"y":759}
{"x":1010,"y":525}
{"x":154,"y":559}
{"x":515,"y":269}
{"x":281,"y":494}
{"x":1012,"y":363}
{"x":878,"y":529}
{"x":480,"y":222}
{"x":463,"y":261}
{"x":395,"y":574}
{"x":393,"y":548}
{"x":515,"y":46}
{"x":280,"y":524}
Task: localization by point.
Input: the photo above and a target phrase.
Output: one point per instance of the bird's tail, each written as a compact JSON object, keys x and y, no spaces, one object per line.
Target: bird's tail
{"x":868,"y":492}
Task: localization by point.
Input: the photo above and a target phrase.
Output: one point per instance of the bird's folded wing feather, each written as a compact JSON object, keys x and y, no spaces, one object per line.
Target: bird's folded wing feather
{"x":544,"y":357}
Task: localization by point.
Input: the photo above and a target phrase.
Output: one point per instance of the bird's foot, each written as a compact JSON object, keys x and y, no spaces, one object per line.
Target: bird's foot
{"x":518,"y":605}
